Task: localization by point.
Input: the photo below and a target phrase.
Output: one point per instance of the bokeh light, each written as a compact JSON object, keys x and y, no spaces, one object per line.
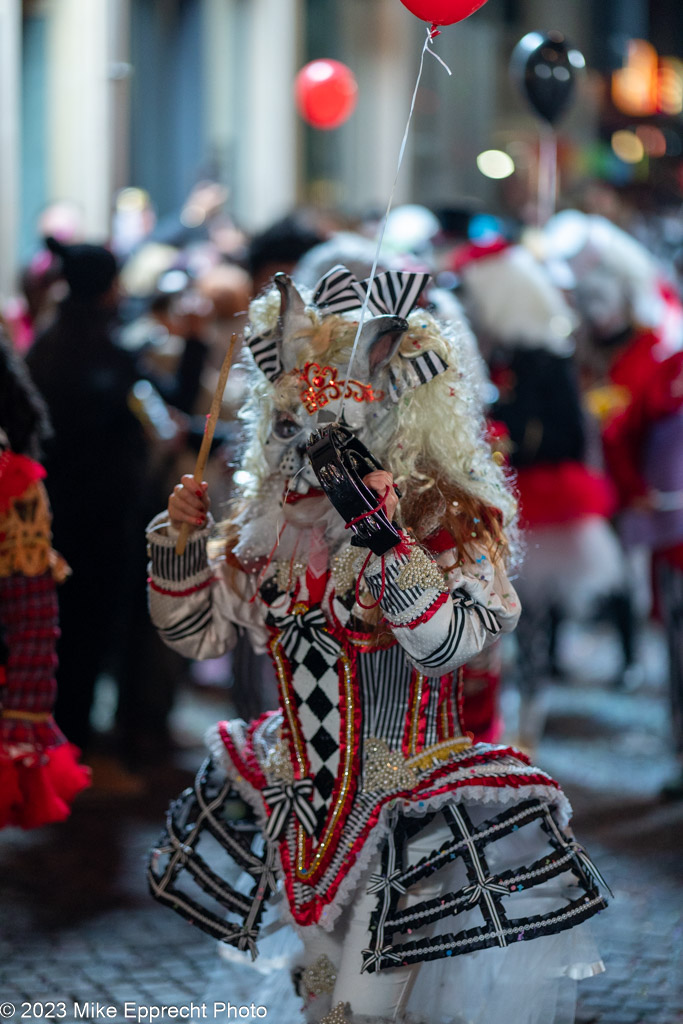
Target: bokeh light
{"x":494,"y":163}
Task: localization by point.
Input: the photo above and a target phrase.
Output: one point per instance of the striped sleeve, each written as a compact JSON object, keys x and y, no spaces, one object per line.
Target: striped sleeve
{"x":441,"y":622}
{"x":191,"y":605}
{"x":171,"y":573}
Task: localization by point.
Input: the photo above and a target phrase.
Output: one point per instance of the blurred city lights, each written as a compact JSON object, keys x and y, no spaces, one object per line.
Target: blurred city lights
{"x":627,"y":146}
{"x":648,"y":84}
{"x":493,"y":163}
{"x":674,"y":145}
{"x":485,"y":228}
{"x":653,"y":139}
{"x":634,"y":87}
{"x":576,"y":59}
{"x":670,"y":86}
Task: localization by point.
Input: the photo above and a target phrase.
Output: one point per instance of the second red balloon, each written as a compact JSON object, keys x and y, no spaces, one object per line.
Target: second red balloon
{"x":326,"y":92}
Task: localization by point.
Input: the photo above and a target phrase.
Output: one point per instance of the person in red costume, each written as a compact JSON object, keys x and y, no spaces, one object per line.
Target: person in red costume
{"x":39,"y":770}
{"x":634,"y":318}
{"x":573,"y":562}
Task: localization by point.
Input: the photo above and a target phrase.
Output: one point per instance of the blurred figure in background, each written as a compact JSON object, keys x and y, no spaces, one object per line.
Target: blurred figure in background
{"x":572,"y":557}
{"x":97,"y":458}
{"x":39,"y":770}
{"x":634,"y":320}
{"x":31,"y":311}
{"x":280,"y":247}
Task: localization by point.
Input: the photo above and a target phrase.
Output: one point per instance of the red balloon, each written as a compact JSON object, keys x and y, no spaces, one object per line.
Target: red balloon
{"x":325,"y":93}
{"x":443,"y":12}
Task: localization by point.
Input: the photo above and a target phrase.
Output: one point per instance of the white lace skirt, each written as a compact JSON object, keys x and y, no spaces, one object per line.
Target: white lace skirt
{"x":527,"y":982}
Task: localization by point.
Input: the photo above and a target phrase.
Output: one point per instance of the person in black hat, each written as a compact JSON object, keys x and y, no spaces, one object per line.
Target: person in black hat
{"x":90,"y":271}
{"x":99,"y":453}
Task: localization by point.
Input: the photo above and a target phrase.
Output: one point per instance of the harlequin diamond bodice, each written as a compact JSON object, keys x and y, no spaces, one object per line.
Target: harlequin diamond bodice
{"x":355,"y":716}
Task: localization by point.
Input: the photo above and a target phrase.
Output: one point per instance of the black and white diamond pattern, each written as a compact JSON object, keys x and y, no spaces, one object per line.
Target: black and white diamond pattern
{"x":317,"y":696}
{"x":395,"y":921}
{"x":313,"y":656}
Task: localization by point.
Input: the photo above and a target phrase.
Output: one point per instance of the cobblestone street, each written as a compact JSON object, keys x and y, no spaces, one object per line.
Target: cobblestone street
{"x":78,"y":926}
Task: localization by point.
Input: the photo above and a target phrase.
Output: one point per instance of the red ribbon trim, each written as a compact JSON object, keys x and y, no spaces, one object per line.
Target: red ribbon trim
{"x":426,"y":615}
{"x":179,"y":593}
{"x":310,"y":911}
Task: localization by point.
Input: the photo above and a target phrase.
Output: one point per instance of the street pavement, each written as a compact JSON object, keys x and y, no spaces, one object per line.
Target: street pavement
{"x":81,"y":939}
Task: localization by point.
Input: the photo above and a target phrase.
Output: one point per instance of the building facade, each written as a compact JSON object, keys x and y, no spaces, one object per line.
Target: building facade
{"x":96,"y":95}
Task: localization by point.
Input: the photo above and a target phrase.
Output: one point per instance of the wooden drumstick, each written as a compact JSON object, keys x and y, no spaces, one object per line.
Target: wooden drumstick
{"x":209,"y":429}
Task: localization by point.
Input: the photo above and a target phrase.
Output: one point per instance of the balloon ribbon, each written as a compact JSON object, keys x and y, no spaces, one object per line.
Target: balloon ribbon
{"x":432,"y":31}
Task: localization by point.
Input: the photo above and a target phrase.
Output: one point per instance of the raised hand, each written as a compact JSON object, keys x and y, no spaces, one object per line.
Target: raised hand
{"x":189,"y":503}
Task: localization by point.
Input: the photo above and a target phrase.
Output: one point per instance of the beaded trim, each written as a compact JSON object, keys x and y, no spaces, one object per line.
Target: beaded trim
{"x":287,"y":574}
{"x":485,"y":891}
{"x":319,"y":977}
{"x":345,"y":568}
{"x":420,"y":571}
{"x":311,"y":859}
{"x":25,"y":716}
{"x":385,"y":770}
{"x":339,"y":1015}
{"x":212,"y":807}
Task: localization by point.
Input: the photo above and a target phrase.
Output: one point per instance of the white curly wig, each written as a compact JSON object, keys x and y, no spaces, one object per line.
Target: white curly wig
{"x":435,"y":434}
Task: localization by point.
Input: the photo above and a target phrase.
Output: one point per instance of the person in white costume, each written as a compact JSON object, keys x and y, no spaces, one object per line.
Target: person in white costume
{"x":430,"y":880}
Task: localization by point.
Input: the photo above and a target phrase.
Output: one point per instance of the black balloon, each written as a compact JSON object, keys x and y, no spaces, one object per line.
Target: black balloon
{"x":543,"y":68}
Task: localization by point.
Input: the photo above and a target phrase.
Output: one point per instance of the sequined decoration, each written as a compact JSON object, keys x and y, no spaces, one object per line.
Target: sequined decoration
{"x":345,"y":569}
{"x":384,"y":769}
{"x":278,"y":765}
{"x":339,"y":1015}
{"x":420,"y":571}
{"x":320,"y":976}
{"x":287,"y":573}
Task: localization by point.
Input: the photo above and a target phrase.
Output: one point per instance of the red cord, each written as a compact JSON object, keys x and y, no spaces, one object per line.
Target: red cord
{"x":263,"y":572}
{"x":369,"y":607}
{"x":371,"y":512}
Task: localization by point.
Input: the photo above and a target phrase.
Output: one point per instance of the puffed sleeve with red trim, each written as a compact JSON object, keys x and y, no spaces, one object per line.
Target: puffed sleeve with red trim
{"x":192,"y":606}
{"x":441,"y":618}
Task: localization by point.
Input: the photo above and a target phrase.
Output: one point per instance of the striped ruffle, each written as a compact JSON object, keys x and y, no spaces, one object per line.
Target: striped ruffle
{"x":394,"y":292}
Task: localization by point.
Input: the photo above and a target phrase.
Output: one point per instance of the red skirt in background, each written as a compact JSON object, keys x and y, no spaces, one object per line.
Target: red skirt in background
{"x":551,"y":494}
{"x":39,"y":770}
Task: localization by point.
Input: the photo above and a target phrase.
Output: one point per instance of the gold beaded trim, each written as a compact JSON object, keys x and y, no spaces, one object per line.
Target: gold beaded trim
{"x":384,"y":769}
{"x":439,"y":752}
{"x":25,"y":716}
{"x":289,"y":707}
{"x":287,"y":573}
{"x":305,"y":871}
{"x":420,"y":571}
{"x":339,"y":1015}
{"x":320,"y":976}
{"x":416,"y":688}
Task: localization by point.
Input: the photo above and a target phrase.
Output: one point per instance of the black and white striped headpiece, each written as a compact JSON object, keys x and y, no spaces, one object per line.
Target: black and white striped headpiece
{"x":393,"y":293}
{"x":413,"y":371}
{"x":265,"y":349}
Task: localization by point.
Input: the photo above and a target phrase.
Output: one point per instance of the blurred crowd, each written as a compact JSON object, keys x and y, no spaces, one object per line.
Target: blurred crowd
{"x":580,"y":330}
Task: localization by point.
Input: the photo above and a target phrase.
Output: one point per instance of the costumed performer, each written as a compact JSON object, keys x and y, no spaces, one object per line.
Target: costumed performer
{"x":573,"y":561}
{"x":634,"y":317}
{"x":39,"y":770}
{"x":429,"y":879}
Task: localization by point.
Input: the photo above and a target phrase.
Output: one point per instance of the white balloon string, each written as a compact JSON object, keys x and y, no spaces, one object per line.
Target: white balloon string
{"x":431,"y":33}
{"x":547,"y":176}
